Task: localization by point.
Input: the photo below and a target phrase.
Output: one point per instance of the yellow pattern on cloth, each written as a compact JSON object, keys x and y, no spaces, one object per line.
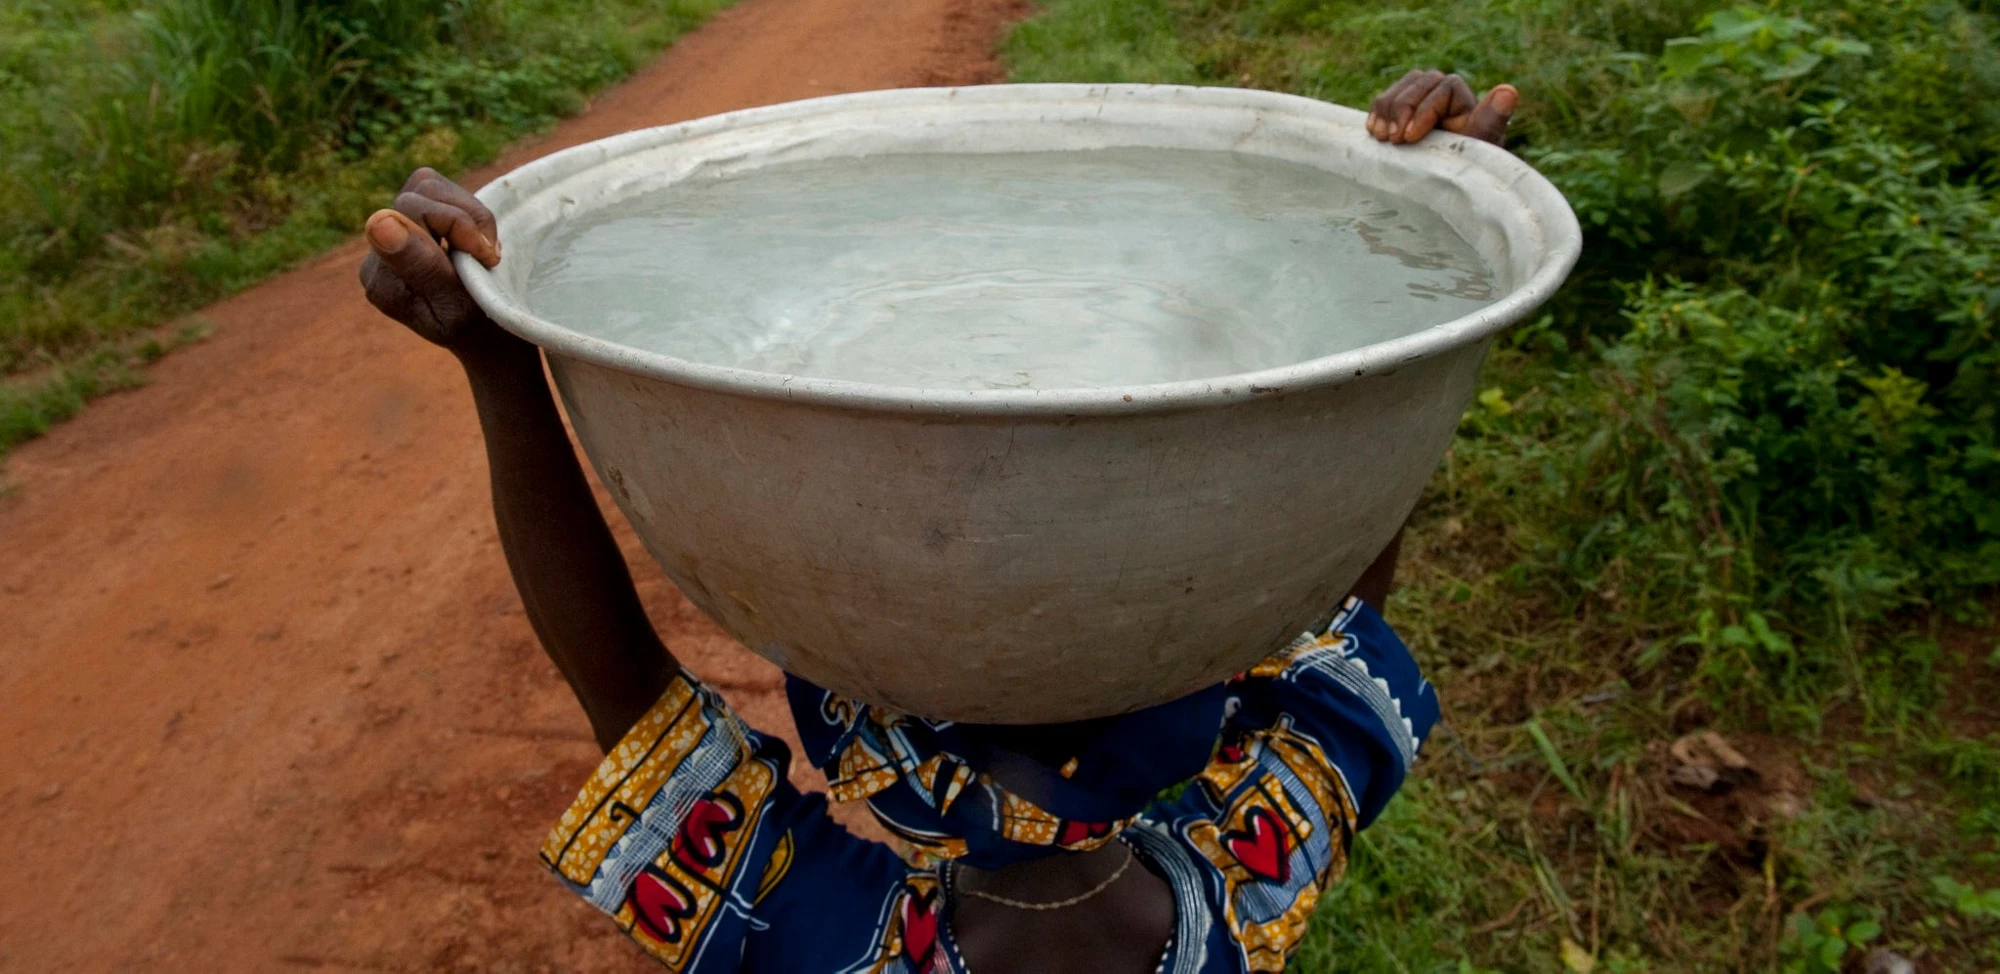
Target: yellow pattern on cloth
{"x":628,"y":776}
{"x":864,"y":771}
{"x":668,"y":901}
{"x":920,"y":899}
{"x":775,"y":870}
{"x":1274,"y":666}
{"x":1263,"y":803}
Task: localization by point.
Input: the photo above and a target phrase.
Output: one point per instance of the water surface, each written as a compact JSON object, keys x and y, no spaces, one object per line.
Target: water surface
{"x":1019,"y":270}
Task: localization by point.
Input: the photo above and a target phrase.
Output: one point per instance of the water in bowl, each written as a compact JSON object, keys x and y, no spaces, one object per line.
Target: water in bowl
{"x":1021,"y":270}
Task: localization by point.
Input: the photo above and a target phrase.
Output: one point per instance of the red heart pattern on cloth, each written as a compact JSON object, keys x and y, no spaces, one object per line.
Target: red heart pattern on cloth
{"x":659,"y":904}
{"x":1263,"y":845}
{"x":699,"y":845}
{"x":920,"y":927}
{"x":1074,"y":832}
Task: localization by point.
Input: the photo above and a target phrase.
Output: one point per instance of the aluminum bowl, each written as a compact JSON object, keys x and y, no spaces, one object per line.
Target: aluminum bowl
{"x":1024,"y":556}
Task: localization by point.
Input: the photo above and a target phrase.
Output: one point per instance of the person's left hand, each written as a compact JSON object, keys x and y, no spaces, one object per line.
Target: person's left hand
{"x":1424,"y":100}
{"x":408,"y":274}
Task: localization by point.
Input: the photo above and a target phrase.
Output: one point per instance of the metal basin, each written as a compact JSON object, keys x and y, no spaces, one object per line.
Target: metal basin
{"x":1023,"y":556}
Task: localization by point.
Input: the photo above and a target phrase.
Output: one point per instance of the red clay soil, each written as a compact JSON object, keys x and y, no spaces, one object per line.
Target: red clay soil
{"x":267,"y":697}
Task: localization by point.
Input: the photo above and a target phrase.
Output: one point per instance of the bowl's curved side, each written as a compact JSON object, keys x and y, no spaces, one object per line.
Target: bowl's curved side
{"x":1017,"y":569}
{"x":1506,"y":210}
{"x":1021,"y":556}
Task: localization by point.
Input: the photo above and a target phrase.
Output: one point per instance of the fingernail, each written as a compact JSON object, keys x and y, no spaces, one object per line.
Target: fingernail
{"x":387,"y":233}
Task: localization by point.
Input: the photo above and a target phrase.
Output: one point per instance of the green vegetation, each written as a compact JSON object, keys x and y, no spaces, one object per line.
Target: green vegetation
{"x":1743,"y":475}
{"x":161,"y":153}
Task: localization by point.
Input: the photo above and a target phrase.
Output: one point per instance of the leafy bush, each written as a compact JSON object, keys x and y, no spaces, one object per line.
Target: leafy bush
{"x":1796,"y":413}
{"x":1766,"y":409}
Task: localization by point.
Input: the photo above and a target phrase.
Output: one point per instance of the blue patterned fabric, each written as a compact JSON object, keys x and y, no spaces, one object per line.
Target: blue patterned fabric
{"x":691,"y":838}
{"x":956,"y":791}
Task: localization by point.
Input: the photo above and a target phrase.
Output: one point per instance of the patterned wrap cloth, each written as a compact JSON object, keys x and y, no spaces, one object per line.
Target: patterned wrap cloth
{"x":692,"y":839}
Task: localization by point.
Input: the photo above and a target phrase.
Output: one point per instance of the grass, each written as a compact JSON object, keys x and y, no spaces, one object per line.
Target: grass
{"x":1551,"y":817}
{"x":160,"y":154}
{"x":1742,"y":477}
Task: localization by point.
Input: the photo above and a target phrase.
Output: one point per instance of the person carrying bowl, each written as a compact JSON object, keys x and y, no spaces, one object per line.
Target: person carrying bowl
{"x":1046,"y":849}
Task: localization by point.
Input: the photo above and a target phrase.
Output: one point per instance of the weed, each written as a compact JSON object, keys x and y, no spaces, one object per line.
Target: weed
{"x":1819,"y":943}
{"x":1969,"y":901}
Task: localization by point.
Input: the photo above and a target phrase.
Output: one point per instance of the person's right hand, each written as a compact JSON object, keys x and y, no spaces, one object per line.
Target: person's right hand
{"x":1423,"y":100}
{"x":408,"y":275}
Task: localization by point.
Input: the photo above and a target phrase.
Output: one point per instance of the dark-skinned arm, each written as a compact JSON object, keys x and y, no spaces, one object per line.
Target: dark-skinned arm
{"x":569,"y":571}
{"x":1421,"y":100}
{"x":1379,"y":578}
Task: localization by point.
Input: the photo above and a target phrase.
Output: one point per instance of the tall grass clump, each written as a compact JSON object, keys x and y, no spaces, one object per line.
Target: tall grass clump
{"x":159,"y":153}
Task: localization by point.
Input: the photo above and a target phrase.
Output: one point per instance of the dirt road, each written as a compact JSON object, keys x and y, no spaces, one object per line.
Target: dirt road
{"x":267,"y":698}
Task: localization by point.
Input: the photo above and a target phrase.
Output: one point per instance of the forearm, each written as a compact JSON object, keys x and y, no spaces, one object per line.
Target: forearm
{"x":570,"y":573}
{"x":1379,"y":578}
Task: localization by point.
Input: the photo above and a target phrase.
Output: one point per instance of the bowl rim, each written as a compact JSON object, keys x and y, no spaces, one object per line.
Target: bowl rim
{"x":1440,"y":152}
